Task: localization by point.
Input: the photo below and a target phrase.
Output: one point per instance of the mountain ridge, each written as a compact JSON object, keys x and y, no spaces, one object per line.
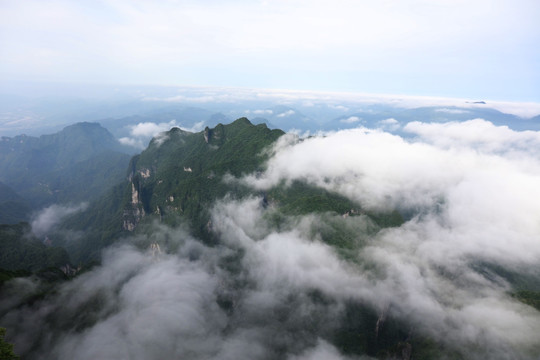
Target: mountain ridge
{"x":37,"y":168}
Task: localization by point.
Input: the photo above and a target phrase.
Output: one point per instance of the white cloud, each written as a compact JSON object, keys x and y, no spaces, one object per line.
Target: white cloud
{"x":141,"y":133}
{"x":390,"y":121}
{"x":146,"y":308}
{"x":323,"y":351}
{"x":351,"y":120}
{"x":50,"y":216}
{"x":339,"y":107}
{"x":195,"y":128}
{"x":390,"y":124}
{"x":149,"y":129}
{"x":263,"y":112}
{"x":452,"y":111}
{"x":479,"y":192}
{"x":523,"y":109}
{"x":136,"y":143}
{"x":286,"y":113}
{"x":473,"y":200}
{"x":474,"y":206}
{"x":478,"y":134}
{"x":422,"y":272}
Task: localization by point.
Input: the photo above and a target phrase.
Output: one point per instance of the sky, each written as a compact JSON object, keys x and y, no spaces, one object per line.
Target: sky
{"x":483,"y":49}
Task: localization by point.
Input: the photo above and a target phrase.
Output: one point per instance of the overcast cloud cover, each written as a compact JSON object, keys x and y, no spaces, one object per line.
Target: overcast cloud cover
{"x":472,"y":201}
{"x":484,"y":49}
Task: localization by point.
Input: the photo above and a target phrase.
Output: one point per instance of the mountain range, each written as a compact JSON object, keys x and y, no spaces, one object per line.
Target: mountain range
{"x":76,"y":164}
{"x":186,"y":213}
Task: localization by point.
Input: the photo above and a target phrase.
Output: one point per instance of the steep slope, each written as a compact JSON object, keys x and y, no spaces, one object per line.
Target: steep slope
{"x":20,"y":250}
{"x":179,"y":179}
{"x":48,"y":169}
{"x":13,"y":208}
{"x":180,"y":176}
{"x":183,"y":172}
{"x":175,"y":180}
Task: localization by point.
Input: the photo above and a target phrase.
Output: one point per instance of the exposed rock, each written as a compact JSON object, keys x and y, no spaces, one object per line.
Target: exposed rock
{"x":128,"y":225}
{"x":155,"y":249}
{"x":134,"y":195}
{"x":207,"y":134}
{"x":406,"y":351}
{"x":68,"y":270}
{"x":145,"y":173}
{"x":381,"y":319}
{"x":136,"y":213}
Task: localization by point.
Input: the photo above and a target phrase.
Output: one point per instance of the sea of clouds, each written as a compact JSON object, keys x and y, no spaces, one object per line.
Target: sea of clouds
{"x":469,"y":192}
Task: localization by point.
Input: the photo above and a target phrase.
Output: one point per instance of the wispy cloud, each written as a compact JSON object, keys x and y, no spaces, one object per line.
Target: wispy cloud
{"x":286,"y":113}
{"x":477,"y":134}
{"x":389,"y":124}
{"x":336,"y":99}
{"x":46,"y":219}
{"x":351,"y":120}
{"x":141,"y":133}
{"x":452,"y":111}
{"x":263,"y":112}
{"x":148,"y":308}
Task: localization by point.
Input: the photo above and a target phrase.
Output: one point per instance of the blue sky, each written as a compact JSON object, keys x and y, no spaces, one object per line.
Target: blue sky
{"x":478,"y":49}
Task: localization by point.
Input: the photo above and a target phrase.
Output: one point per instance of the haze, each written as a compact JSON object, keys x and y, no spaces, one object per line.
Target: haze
{"x":481,"y":49}
{"x":295,"y":180}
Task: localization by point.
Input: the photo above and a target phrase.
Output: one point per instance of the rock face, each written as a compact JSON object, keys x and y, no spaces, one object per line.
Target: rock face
{"x":145,"y":173}
{"x":134,"y":211}
{"x":206,"y":134}
{"x":181,"y":175}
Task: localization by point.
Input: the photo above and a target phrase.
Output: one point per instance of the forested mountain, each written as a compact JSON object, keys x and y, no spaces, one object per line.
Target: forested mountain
{"x":70,"y":166}
{"x":13,"y":208}
{"x":222,"y":258}
{"x":21,"y":250}
{"x":176,"y":179}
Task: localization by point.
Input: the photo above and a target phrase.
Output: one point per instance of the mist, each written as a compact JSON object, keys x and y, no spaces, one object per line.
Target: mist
{"x":470,"y":206}
{"x":45,"y":219}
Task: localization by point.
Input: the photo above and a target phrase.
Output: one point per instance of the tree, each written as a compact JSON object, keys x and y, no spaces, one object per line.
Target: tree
{"x":6,"y":349}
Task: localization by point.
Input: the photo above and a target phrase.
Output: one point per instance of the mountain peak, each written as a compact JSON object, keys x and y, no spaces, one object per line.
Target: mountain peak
{"x":242,"y":120}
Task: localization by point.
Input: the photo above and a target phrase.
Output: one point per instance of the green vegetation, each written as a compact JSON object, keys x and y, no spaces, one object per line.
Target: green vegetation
{"x":79,"y":162}
{"x":20,"y":250}
{"x":363,"y":331}
{"x":531,"y":298}
{"x":176,"y":180}
{"x":179,"y":177}
{"x":6,"y":275}
{"x":13,"y":208}
{"x":82,"y":181}
{"x":525,"y":284}
{"x":96,"y":228}
{"x":6,"y":349}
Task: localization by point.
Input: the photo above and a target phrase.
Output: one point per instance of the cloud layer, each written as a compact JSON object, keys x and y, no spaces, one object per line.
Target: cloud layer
{"x":470,"y":207}
{"x":474,"y":197}
{"x":185,"y":304}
